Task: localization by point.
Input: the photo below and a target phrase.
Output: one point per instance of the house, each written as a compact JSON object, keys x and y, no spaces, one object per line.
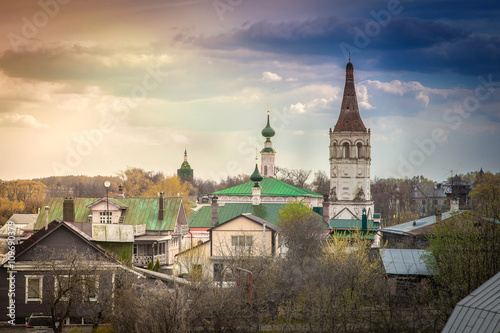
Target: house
{"x":245,"y":235}
{"x":21,"y":226}
{"x":135,"y":230}
{"x":479,"y":311}
{"x":58,"y":263}
{"x":458,"y":190}
{"x":429,"y":198}
{"x":413,"y":234}
{"x":407,"y":273}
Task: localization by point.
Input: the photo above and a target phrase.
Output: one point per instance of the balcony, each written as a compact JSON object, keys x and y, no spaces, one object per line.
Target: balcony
{"x":103,"y":232}
{"x":144,"y":260}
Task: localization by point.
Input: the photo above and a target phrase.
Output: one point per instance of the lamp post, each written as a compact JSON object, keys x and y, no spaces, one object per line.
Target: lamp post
{"x":107,"y":184}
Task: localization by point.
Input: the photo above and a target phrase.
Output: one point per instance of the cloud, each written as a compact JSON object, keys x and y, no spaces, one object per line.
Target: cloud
{"x":19,"y":121}
{"x":299,"y":132}
{"x":297,"y":108}
{"x":270,"y":77}
{"x":405,"y":43}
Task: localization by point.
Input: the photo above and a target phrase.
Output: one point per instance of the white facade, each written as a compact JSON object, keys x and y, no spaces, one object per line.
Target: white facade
{"x":350,"y":159}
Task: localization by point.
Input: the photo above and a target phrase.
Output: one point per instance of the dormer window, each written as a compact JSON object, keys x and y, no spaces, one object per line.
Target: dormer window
{"x":105,"y":217}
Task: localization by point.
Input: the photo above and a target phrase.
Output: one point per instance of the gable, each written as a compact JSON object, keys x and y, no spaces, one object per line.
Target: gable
{"x":59,"y":241}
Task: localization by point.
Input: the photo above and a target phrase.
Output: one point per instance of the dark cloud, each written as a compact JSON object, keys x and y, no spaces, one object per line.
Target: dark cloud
{"x":403,"y":43}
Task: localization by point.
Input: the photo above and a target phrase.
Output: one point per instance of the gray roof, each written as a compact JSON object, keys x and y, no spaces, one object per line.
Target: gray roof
{"x":479,"y":311}
{"x":23,"y":218}
{"x":428,"y":191}
{"x":256,"y":219}
{"x":408,"y":227}
{"x":404,"y":262}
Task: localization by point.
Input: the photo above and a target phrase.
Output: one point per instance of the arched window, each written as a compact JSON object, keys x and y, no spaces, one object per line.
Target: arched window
{"x":346,"y":150}
{"x":358,"y":150}
{"x":334,"y":149}
{"x":265,"y":170}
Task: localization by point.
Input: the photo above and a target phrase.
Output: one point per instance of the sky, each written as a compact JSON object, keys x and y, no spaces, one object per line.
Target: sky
{"x":94,"y":87}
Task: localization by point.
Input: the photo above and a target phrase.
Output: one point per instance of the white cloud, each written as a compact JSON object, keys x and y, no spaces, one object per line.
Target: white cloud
{"x":270,"y":77}
{"x":19,"y":121}
{"x":297,"y":108}
{"x":299,"y":132}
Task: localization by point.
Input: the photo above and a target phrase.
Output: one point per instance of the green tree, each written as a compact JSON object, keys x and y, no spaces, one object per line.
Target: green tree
{"x":465,"y":253}
{"x":486,"y":196}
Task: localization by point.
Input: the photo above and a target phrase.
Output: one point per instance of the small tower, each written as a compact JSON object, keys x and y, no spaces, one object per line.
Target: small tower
{"x":268,"y":154}
{"x":185,"y":173}
{"x":350,"y":158}
{"x":256,"y":177}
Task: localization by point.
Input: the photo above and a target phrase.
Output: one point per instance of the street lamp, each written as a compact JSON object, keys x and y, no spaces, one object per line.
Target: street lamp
{"x":107,"y":184}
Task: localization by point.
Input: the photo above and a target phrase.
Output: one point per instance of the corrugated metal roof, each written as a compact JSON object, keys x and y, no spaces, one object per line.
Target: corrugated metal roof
{"x":479,"y":311}
{"x":404,"y":262}
{"x":270,"y":187}
{"x":138,"y":211}
{"x":202,"y":218}
{"x":411,"y":226}
{"x":352,"y":224}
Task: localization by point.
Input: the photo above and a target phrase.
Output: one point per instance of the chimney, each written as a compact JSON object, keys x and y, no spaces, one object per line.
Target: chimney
{"x":161,"y":211}
{"x":438,"y":217}
{"x":120,"y":193}
{"x":215,"y":206}
{"x":69,"y":210}
{"x":326,"y":210}
{"x":364,"y":222}
{"x":46,"y":217}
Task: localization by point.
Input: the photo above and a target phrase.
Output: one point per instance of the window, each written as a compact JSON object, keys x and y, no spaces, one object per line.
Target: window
{"x":358,"y":150}
{"x":90,"y":287}
{"x":34,"y":288}
{"x":103,"y":219}
{"x":265,"y":170}
{"x":241,"y":241}
{"x":218,"y":271}
{"x":346,"y":150}
{"x":61,"y":287}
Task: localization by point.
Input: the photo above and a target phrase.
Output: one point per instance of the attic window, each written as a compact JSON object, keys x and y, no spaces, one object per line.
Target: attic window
{"x":347,"y":107}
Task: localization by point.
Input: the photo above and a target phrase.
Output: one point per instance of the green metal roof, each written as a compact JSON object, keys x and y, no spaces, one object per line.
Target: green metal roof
{"x":270,"y":187}
{"x":202,"y":218}
{"x":352,"y":224}
{"x":138,"y":211}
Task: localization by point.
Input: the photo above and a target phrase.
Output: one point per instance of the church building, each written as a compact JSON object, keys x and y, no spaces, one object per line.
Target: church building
{"x":350,"y":159}
{"x":185,"y":173}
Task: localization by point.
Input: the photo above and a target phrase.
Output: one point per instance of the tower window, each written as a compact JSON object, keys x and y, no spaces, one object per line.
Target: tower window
{"x":358,"y":150}
{"x":346,"y":150}
{"x":265,"y":170}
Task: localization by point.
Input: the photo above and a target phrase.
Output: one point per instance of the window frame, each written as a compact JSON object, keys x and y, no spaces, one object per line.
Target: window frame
{"x":242,"y":241}
{"x":40,"y":289}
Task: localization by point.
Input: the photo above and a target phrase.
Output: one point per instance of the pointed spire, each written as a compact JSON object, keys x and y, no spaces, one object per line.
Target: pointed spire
{"x":185,"y":155}
{"x":349,"y":118}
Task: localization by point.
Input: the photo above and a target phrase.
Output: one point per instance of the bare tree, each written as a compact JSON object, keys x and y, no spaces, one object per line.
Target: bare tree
{"x":297,"y":177}
{"x":78,"y":284}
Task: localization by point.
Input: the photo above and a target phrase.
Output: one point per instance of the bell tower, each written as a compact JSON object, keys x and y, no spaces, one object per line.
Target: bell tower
{"x":268,"y":154}
{"x":350,"y":158}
